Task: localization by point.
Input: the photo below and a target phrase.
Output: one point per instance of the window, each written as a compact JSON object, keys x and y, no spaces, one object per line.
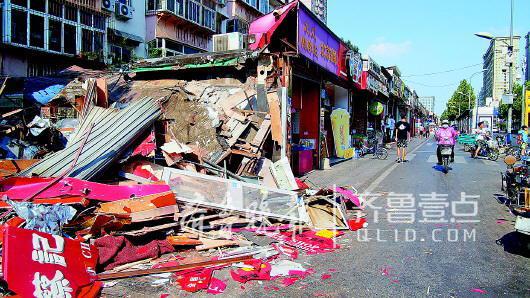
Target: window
{"x":23,"y":3}
{"x":55,"y":8}
{"x":237,"y":25}
{"x":194,"y":12}
{"x":151,"y":5}
{"x":70,"y":39}
{"x":36,"y":31}
{"x":70,"y":13}
{"x":86,"y":40}
{"x":99,"y":22}
{"x":98,"y":42}
{"x":19,"y":27}
{"x":208,"y":18}
{"x":38,"y":5}
{"x":170,"y":5}
{"x":174,"y":46}
{"x":179,"y":7}
{"x":264,"y":6}
{"x":55,"y":37}
{"x":209,"y":4}
{"x":86,"y":18}
{"x":188,"y":50}
{"x":253,"y":3}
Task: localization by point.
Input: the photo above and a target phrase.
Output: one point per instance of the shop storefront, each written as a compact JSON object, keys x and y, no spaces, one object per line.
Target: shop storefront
{"x":321,"y":97}
{"x":376,"y":86}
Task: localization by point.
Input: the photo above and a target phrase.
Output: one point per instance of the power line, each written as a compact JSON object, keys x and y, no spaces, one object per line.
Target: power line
{"x":440,"y":72}
{"x":434,"y":86}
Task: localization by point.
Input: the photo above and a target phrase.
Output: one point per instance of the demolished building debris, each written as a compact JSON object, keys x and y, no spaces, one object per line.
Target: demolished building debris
{"x":176,"y":170}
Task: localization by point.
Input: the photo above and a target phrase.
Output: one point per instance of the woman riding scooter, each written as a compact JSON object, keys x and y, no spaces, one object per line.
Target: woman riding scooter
{"x":446,"y":136}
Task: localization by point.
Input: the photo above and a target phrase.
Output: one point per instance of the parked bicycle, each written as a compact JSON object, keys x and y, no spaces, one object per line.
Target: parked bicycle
{"x":373,"y":147}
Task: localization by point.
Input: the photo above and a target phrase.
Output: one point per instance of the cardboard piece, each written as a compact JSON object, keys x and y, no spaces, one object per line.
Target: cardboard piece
{"x":326,"y":213}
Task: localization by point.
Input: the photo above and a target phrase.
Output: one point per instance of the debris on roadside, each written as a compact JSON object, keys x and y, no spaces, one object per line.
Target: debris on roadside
{"x":177,"y":180}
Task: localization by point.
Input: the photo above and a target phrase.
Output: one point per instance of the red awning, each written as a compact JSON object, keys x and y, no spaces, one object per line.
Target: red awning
{"x":264,"y":27}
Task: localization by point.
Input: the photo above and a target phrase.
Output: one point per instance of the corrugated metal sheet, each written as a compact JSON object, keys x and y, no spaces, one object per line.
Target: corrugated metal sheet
{"x":112,"y":133}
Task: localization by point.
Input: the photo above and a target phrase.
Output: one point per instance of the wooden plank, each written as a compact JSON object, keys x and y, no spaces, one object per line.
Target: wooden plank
{"x":142,"y":272}
{"x":10,"y":167}
{"x":139,"y":204}
{"x":276,"y":120}
{"x":257,"y":143}
{"x":244,"y":153}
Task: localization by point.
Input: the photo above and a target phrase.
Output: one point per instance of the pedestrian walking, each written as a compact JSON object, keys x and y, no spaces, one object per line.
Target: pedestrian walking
{"x":402,"y":139}
{"x":422,"y":130}
{"x":390,"y":126}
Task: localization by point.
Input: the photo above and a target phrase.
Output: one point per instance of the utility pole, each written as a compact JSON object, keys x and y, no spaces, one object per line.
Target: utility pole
{"x":523,"y":99}
{"x":510,"y":82}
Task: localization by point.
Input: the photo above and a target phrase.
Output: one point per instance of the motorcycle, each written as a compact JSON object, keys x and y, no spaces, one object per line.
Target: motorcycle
{"x":446,"y":151}
{"x":488,"y":149}
{"x":514,"y":180}
{"x":516,"y":186}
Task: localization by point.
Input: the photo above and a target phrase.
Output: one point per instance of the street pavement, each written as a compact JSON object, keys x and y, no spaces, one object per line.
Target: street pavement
{"x":418,"y":259}
{"x":392,"y":258}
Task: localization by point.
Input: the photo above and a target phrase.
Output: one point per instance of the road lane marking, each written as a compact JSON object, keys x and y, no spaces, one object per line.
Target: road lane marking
{"x":388,"y":171}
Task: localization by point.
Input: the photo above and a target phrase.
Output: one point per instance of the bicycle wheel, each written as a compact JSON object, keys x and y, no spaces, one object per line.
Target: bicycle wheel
{"x":381,"y":153}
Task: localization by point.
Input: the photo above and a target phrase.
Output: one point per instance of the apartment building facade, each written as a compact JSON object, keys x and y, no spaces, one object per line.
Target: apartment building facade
{"x":40,"y":37}
{"x":126,"y":29}
{"x":175,"y":27}
{"x":428,"y":102}
{"x":498,"y":63}
{"x":318,"y":7}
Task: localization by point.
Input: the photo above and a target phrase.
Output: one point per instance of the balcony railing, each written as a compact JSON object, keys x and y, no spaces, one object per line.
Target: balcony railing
{"x":191,"y":10}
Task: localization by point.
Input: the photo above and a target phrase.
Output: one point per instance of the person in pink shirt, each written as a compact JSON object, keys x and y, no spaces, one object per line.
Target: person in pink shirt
{"x":445,"y":135}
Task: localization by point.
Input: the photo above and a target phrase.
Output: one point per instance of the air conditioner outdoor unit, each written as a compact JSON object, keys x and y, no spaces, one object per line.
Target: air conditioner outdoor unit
{"x":108,"y":5}
{"x":123,"y":11}
{"x":229,"y":42}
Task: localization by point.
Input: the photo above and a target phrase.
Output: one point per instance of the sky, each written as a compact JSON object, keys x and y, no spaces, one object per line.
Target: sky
{"x":426,"y":36}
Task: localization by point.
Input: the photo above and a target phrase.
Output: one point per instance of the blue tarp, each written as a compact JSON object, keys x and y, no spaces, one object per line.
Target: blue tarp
{"x":42,"y":89}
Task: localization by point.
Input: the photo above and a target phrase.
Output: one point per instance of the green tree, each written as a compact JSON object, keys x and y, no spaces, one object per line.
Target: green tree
{"x":350,"y":45}
{"x":463,"y":98}
{"x":517,"y":104}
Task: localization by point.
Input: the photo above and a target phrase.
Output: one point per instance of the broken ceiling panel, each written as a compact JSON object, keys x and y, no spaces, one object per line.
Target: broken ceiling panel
{"x":220,"y":193}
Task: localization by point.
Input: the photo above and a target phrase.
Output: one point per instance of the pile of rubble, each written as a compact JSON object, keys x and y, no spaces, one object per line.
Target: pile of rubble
{"x":176,"y":180}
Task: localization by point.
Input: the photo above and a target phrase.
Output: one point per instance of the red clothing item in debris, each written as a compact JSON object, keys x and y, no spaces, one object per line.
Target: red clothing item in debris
{"x":115,"y":251}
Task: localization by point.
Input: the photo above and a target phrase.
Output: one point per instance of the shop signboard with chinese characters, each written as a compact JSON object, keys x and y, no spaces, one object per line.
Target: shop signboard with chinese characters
{"x":397,"y":85}
{"x":526,"y":113}
{"x":383,"y":86}
{"x":370,"y":83}
{"x":37,"y":264}
{"x":316,"y":43}
{"x":355,"y":64}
